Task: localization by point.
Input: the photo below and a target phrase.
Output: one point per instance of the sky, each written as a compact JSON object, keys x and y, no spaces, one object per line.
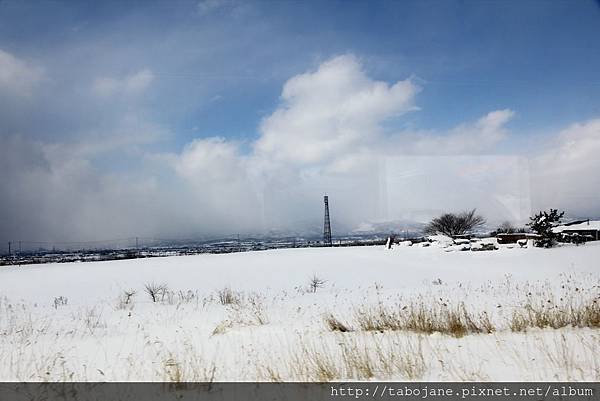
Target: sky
{"x":177,"y":119}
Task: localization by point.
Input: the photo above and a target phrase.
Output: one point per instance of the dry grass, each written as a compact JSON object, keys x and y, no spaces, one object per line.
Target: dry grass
{"x":255,"y":305}
{"x":227,"y":296}
{"x":555,"y":316}
{"x":333,"y":324}
{"x":188,"y":369}
{"x":247,"y":310}
{"x":354,"y":357}
{"x":426,"y":319}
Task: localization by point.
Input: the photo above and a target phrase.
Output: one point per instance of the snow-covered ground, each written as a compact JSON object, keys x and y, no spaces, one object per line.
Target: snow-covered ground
{"x":253,"y":316}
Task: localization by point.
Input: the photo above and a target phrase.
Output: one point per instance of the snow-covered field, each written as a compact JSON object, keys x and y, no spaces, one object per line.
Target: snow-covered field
{"x":252,"y":316}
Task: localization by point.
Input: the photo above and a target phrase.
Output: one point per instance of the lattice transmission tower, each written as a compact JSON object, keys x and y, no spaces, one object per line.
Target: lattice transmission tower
{"x":326,"y":224}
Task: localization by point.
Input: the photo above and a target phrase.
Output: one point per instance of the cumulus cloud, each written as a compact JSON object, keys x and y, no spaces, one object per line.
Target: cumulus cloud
{"x":327,"y":135}
{"x":326,"y":113}
{"x":17,"y":76}
{"x":129,"y":85}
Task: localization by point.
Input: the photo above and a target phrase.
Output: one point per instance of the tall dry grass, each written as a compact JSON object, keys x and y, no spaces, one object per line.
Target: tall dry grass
{"x":423,"y":318}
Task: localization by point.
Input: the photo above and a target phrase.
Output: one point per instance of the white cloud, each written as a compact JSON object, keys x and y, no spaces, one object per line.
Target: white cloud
{"x":129,"y":85}
{"x":577,"y":147}
{"x":468,"y":138}
{"x":211,"y":159}
{"x":566,"y":171}
{"x":220,"y":188}
{"x":17,"y":76}
{"x":327,"y":135}
{"x":328,"y":112}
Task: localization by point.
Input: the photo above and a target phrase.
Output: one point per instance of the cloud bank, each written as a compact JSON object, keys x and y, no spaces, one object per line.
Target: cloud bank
{"x":334,"y":130}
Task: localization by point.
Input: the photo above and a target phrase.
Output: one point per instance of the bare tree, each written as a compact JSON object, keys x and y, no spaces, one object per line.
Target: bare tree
{"x":127,"y":295}
{"x":155,"y":290}
{"x":452,"y":225}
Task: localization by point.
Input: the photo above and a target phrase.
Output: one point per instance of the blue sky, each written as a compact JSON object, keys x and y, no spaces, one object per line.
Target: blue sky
{"x":471,"y":56}
{"x":121,"y":87}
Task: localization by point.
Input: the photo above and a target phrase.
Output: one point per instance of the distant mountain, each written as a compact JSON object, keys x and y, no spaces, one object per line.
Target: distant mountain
{"x":396,"y":226}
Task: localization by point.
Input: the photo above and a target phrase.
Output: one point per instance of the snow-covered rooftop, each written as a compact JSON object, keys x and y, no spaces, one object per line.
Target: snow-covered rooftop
{"x":587,"y":225}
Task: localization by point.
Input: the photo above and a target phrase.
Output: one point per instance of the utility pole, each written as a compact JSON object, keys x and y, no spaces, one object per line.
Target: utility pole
{"x":8,"y":248}
{"x":326,"y":224}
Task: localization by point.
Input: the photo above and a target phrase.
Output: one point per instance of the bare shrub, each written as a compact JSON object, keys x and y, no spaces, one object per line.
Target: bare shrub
{"x":316,"y":283}
{"x":128,"y":294}
{"x":125,"y":300}
{"x":60,"y":301}
{"x":156,"y":292}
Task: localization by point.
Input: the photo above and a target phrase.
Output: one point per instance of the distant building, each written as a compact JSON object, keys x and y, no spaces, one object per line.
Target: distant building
{"x":513,"y":238}
{"x":589,"y":230}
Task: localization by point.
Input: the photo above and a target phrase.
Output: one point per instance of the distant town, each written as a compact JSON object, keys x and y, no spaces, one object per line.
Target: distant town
{"x":161,"y":248}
